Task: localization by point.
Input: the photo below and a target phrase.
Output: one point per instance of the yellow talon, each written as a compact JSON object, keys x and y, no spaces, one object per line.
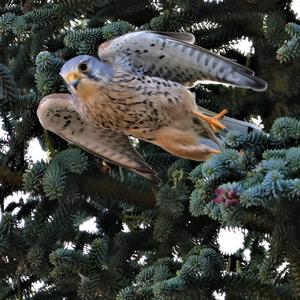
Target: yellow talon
{"x":213,"y":121}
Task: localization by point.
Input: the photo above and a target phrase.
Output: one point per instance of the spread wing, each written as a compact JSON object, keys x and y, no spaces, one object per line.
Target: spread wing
{"x":57,"y":114}
{"x":173,"y":56}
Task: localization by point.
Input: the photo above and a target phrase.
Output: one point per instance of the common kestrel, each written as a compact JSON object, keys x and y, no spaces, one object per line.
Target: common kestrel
{"x":137,"y":89}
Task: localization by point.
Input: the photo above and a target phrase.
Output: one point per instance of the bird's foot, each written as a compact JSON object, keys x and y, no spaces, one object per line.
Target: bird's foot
{"x":213,"y":122}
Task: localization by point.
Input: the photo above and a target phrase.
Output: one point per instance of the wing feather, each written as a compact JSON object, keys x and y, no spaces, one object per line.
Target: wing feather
{"x":185,"y":37}
{"x":57,"y":114}
{"x":164,"y":55}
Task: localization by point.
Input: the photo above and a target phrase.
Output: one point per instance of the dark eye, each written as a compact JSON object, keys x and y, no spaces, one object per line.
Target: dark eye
{"x":83,"y":67}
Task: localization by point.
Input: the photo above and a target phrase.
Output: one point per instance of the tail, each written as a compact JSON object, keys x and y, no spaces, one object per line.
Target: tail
{"x":233,"y":124}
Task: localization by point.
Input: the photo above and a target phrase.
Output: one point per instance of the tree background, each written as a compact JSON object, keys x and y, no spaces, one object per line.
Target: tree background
{"x":170,"y":248}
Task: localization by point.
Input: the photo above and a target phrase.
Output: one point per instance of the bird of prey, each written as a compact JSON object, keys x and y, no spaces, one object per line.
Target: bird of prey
{"x":139,"y":88}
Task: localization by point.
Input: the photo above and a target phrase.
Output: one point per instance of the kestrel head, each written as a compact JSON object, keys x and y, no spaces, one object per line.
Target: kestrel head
{"x":84,"y":71}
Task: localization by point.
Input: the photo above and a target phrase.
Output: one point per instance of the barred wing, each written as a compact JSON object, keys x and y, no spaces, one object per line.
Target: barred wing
{"x":57,"y":114}
{"x":173,"y":56}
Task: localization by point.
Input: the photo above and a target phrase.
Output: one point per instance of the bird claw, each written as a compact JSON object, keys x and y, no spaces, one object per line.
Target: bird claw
{"x":213,"y":122}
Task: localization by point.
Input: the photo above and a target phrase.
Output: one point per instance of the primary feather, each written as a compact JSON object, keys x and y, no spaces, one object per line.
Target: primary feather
{"x":174,"y":57}
{"x":56,"y":113}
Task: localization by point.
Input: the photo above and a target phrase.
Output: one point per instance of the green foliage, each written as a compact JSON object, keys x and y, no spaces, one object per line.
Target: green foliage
{"x":115,"y":29}
{"x":290,"y":50}
{"x":87,"y":41}
{"x":34,"y":176}
{"x":73,"y":160}
{"x":84,"y":41}
{"x":286,"y":128}
{"x":47,"y":73}
{"x":8,"y":87}
{"x":98,"y":253}
{"x":54,"y":181}
{"x":274,"y":28}
{"x":266,"y":195}
{"x":149,"y":242}
{"x":167,"y":279}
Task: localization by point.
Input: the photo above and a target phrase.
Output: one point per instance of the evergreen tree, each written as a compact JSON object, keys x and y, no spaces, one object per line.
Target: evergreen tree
{"x":169,"y":249}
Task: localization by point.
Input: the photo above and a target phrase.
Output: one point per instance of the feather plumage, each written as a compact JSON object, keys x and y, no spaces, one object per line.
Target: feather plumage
{"x":56,"y":113}
{"x":166,"y":56}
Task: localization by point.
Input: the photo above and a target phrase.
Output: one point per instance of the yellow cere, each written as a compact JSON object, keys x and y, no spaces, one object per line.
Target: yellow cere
{"x":72,"y":76}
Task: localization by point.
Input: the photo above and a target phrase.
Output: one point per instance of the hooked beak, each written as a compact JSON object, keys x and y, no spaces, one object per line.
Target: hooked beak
{"x":74,"y":83}
{"x":71,"y":79}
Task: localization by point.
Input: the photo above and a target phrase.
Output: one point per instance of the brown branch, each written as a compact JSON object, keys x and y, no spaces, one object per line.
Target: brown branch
{"x":9,"y":177}
{"x":99,"y":184}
